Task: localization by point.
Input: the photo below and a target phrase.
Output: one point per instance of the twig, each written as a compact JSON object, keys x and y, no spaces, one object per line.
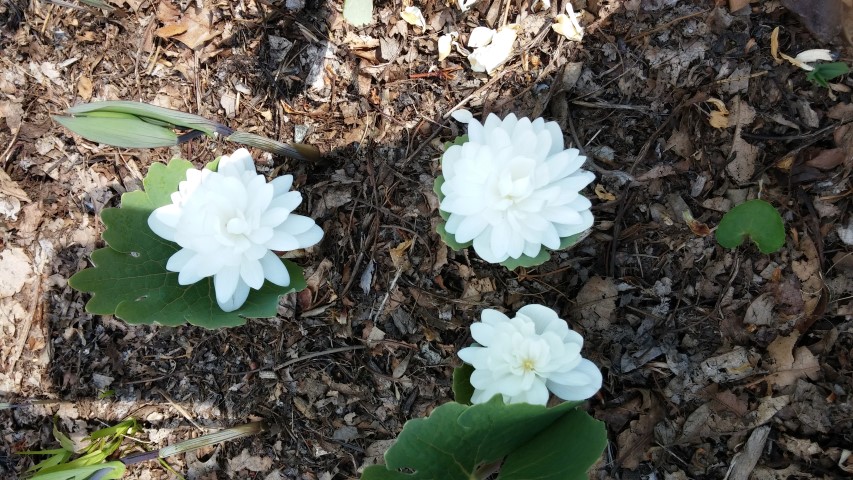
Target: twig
{"x":303,"y":358}
{"x":388,"y":293}
{"x":665,"y":26}
{"x":24,"y":331}
{"x":178,"y":407}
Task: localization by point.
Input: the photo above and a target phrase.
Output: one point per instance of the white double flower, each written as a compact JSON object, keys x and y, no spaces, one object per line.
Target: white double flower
{"x":228,"y":224}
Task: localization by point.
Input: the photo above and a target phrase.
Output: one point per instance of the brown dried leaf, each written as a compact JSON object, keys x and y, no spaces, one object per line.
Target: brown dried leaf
{"x":84,"y":87}
{"x":808,"y":271}
{"x":398,"y":253}
{"x":603,"y":194}
{"x":596,"y":303}
{"x":13,"y":112}
{"x":193,"y":29}
{"x":788,"y":364}
{"x":827,"y":159}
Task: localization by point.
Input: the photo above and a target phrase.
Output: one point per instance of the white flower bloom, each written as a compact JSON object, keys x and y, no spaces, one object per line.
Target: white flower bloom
{"x":512,"y":188}
{"x":522,"y":358}
{"x":228,"y":223}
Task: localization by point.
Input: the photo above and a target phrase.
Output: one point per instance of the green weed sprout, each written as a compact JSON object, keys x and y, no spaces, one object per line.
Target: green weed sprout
{"x":756,"y":220}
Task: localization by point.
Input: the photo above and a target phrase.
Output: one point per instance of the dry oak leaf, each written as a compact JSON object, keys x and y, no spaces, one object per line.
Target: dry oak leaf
{"x":193,"y":29}
{"x":596,"y":303}
{"x":808,"y":271}
{"x":789,"y":364}
{"x":742,"y":166}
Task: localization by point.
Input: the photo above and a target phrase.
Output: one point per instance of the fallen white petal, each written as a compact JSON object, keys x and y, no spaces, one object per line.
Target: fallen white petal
{"x":480,"y":37}
{"x":490,"y":57}
{"x":568,"y":25}
{"x":464,"y":5}
{"x":413,"y":16}
{"x":814,"y":55}
{"x":462,"y":115}
{"x":445,"y":42}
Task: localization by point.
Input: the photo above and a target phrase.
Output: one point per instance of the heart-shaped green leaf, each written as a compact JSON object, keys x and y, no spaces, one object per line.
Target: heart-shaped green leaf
{"x":755,"y":219}
{"x":130,"y":279}
{"x":456,"y":440}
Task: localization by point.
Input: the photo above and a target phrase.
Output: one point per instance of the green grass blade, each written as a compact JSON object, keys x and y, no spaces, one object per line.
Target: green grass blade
{"x":102,"y":471}
{"x":152,"y":113}
{"x":120,"y":131}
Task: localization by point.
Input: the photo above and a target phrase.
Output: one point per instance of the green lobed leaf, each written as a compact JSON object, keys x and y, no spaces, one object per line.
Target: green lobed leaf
{"x":358,"y":12}
{"x":130,"y":279}
{"x":456,"y":440}
{"x":462,"y":388}
{"x":755,"y":219}
{"x":563,"y":451}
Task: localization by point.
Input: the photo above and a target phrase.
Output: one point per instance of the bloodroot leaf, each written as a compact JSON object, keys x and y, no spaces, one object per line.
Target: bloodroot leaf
{"x":755,"y":219}
{"x":130,"y":279}
{"x":462,"y":388}
{"x":456,"y":441}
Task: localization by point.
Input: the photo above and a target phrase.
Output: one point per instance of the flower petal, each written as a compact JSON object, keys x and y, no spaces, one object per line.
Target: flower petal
{"x":225,"y":283}
{"x":274,"y":270}
{"x":252,"y":273}
{"x":586,"y":379}
{"x":241,"y":293}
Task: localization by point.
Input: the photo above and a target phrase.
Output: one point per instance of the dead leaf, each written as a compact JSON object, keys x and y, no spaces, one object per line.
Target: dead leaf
{"x":246,"y":461}
{"x":827,"y":159}
{"x":84,"y":87}
{"x":808,"y":271}
{"x":596,"y":303}
{"x":697,"y":227}
{"x":840,"y":111}
{"x":681,"y":144}
{"x":719,"y":118}
{"x":735,"y":5}
{"x":603,"y":194}
{"x":742,"y":167}
{"x":398,"y":253}
{"x":706,"y":421}
{"x":13,"y":112}
{"x":760,"y":311}
{"x":788,"y":365}
{"x":657,"y":171}
{"x":635,"y":441}
{"x":17,"y":269}
{"x":193,"y":28}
